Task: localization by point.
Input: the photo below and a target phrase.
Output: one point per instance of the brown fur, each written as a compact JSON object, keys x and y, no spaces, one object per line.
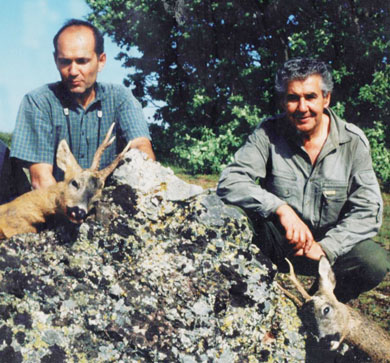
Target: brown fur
{"x":332,"y":317}
{"x":80,"y":189}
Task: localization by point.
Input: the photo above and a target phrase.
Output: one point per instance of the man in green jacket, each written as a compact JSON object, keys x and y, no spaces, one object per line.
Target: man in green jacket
{"x":306,"y":182}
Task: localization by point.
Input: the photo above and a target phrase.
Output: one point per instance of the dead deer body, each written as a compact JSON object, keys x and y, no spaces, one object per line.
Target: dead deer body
{"x":334,"y":321}
{"x":74,"y":197}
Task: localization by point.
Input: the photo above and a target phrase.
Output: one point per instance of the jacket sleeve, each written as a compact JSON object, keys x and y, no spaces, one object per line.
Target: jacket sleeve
{"x":239,"y":182}
{"x":361,"y":216}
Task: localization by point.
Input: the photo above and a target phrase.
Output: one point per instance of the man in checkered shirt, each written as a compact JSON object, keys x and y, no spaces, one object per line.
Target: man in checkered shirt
{"x":78,"y":109}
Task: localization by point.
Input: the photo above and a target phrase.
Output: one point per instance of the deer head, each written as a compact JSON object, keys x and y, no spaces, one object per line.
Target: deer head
{"x":83,"y":187}
{"x":322,"y":313}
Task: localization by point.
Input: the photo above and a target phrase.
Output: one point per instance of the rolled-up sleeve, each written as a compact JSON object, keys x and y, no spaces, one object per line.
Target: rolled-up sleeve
{"x":130,"y":115}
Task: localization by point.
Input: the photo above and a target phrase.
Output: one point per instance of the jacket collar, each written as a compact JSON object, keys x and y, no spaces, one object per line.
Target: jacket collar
{"x":337,"y":134}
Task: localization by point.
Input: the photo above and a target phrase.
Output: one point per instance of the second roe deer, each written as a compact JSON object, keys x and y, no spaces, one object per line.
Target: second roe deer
{"x":334,"y":321}
{"x":73,"y":197}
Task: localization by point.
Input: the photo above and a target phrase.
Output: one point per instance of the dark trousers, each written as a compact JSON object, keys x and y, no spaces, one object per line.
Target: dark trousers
{"x":359,"y":270}
{"x":13,"y":181}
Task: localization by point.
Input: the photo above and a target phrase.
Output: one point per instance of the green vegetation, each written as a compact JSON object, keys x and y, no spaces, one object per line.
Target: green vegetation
{"x":204,"y":180}
{"x":380,"y":153}
{"x":212,"y":64}
{"x":6,"y":138}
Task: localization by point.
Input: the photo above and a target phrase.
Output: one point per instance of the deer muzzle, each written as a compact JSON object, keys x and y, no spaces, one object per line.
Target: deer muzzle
{"x":76,"y":214}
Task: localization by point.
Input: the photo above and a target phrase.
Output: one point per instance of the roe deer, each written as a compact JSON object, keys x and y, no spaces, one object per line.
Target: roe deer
{"x":73,"y":197}
{"x":334,"y":321}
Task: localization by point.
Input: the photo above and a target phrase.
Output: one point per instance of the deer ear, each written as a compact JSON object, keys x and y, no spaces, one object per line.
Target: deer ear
{"x":327,"y":279}
{"x":65,"y":159}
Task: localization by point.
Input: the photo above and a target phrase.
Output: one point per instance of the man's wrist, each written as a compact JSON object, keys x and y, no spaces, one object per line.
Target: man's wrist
{"x":41,"y":175}
{"x":281,"y":209}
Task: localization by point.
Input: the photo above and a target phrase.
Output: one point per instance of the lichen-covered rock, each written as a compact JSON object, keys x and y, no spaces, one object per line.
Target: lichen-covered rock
{"x":165,"y":272}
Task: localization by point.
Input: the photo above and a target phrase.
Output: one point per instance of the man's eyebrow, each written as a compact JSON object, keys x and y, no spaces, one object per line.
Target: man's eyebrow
{"x":63,"y":59}
{"x":291,"y":96}
{"x":295,"y":95}
{"x":78,"y":59}
{"x":311,"y":94}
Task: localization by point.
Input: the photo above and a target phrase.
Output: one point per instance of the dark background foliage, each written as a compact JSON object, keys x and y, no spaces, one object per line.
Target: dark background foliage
{"x":211,"y":65}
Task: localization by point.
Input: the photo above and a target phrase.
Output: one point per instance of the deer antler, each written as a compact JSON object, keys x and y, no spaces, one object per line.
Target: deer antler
{"x":290,"y":295}
{"x":101,"y":148}
{"x":104,"y":173}
{"x":295,"y":281}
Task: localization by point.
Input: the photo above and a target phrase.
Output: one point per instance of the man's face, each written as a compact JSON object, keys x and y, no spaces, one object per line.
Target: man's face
{"x":304,"y":104}
{"x":77,"y":60}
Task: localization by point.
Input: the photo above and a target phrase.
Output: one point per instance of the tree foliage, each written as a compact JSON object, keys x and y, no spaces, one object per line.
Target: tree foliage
{"x":212,"y":63}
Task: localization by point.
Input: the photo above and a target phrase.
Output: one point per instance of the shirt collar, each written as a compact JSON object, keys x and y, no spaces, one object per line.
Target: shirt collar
{"x":67,"y":99}
{"x":100,"y":92}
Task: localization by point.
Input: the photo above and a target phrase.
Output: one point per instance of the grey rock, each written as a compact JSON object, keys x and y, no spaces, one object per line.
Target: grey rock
{"x":150,"y":177}
{"x":164,"y":272}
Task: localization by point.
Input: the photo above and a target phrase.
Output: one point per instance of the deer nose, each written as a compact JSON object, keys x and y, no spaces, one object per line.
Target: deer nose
{"x":76,"y":214}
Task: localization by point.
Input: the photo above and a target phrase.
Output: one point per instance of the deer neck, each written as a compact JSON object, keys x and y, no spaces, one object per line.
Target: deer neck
{"x":49,"y":199}
{"x":368,"y":336}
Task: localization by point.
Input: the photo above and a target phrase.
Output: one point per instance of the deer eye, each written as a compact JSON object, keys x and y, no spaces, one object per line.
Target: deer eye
{"x":74,"y":184}
{"x":326,"y":310}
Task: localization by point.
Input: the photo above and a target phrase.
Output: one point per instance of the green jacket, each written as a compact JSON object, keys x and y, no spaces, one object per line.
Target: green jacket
{"x":338,"y":198}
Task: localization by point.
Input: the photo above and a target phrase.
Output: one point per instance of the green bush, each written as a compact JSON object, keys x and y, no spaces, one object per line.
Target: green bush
{"x":202,"y":149}
{"x":209,"y":154}
{"x":6,"y":138}
{"x":379,"y":151}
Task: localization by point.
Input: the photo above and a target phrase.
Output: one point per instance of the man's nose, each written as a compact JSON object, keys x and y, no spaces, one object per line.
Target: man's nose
{"x":302,"y":106}
{"x":73,"y":70}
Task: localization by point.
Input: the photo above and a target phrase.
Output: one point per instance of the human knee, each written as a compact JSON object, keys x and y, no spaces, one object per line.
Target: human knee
{"x":374,"y":266}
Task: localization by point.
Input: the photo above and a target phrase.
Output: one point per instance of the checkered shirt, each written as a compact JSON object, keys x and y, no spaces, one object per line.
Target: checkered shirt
{"x":42,"y":122}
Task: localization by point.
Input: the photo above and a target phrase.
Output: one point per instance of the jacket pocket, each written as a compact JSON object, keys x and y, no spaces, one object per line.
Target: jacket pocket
{"x":332,"y":201}
{"x":283,"y":185}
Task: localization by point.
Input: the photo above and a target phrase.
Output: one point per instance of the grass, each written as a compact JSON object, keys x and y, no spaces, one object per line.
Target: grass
{"x":204,"y":180}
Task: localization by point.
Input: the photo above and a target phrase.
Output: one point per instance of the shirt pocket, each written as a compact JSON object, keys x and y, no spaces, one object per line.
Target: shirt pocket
{"x":284,"y":186}
{"x":333,"y":198}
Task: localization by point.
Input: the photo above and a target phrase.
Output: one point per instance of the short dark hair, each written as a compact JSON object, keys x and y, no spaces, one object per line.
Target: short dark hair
{"x":300,"y":69}
{"x":99,"y":40}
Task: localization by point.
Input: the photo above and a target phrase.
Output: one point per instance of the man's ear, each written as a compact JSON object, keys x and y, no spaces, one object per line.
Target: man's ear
{"x":327,"y":100}
{"x":101,"y":61}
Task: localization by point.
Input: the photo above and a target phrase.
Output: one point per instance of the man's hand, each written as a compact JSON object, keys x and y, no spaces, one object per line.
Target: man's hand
{"x":297,"y":232}
{"x":314,"y":253}
{"x":41,"y":175}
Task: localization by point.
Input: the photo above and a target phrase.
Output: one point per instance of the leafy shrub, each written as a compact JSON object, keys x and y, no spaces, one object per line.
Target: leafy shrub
{"x":379,"y":151}
{"x":202,"y":149}
{"x":6,"y":138}
{"x":209,"y":154}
